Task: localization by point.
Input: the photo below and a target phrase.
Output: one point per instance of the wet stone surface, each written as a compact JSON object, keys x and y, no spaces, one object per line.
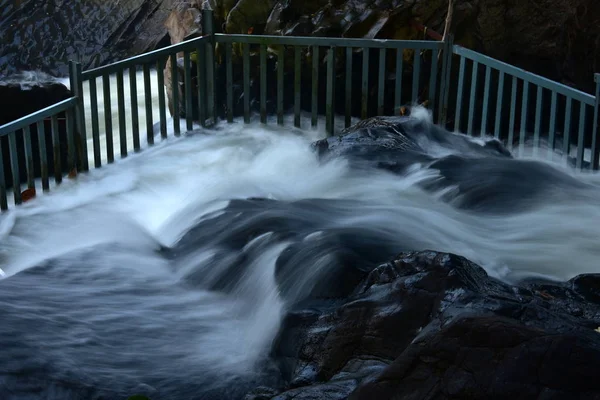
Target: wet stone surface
{"x":434,"y":325}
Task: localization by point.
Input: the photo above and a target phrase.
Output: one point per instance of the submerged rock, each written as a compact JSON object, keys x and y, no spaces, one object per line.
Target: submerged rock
{"x":474,"y":173}
{"x":434,"y":325}
{"x":426,"y":324}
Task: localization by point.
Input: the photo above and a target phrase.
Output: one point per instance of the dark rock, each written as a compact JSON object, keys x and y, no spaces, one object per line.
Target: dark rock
{"x":483,"y":174}
{"x":46,"y":34}
{"x":548,"y":45}
{"x":261,"y":393}
{"x":434,"y":325}
{"x":490,"y":357}
{"x":27,"y":92}
{"x":587,"y":286}
{"x":20,"y":95}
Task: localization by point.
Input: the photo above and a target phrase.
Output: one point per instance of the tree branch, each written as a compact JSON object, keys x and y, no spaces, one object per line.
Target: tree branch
{"x":448,"y":19}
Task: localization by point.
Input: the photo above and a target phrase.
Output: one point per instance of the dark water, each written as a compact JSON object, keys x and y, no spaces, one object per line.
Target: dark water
{"x":169,"y":274}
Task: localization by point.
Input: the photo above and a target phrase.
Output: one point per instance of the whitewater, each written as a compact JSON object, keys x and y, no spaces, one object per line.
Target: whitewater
{"x":127,"y":280}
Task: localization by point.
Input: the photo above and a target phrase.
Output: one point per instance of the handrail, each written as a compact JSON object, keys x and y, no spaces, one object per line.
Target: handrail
{"x":368,"y":94}
{"x":329,"y":41}
{"x":38,"y":116}
{"x":526,"y":75}
{"x":144,"y":58}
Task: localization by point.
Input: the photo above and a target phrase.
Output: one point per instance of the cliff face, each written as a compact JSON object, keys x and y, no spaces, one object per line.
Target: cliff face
{"x":559,"y":39}
{"x":45,"y":34}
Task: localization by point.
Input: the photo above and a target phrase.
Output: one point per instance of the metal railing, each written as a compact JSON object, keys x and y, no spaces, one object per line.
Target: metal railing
{"x":525,"y":87}
{"x":200,"y":48}
{"x":22,"y":127}
{"x":210,"y":61}
{"x":283,"y":45}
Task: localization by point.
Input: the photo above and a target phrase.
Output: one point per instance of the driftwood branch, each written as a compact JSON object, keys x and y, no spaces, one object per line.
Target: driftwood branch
{"x":448,"y":25}
{"x":448,"y":19}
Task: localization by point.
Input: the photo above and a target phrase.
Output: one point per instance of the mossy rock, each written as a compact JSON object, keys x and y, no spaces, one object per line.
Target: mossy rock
{"x":248,"y":14}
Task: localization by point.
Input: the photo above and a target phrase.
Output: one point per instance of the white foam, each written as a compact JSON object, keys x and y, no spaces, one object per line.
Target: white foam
{"x":153,"y":198}
{"x":161,"y":188}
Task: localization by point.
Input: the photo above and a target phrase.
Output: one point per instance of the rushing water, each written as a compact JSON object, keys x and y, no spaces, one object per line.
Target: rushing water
{"x":107,"y":292}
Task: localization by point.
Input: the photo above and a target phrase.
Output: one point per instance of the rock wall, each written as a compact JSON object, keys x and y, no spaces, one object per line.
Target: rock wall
{"x":559,"y":39}
{"x":45,"y":34}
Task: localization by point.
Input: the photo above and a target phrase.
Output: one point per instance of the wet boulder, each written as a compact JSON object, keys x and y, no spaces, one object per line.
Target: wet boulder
{"x":478,"y":174}
{"x":435,"y":325}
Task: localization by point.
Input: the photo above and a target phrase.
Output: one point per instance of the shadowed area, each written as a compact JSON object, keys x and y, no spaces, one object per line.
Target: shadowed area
{"x":250,"y":263}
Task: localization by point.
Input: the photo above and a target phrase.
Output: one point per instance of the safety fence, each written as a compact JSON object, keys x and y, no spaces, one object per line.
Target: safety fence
{"x":286,"y":75}
{"x":569,"y":111}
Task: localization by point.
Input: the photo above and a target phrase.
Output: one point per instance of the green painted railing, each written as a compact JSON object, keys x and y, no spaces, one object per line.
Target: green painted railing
{"x":201,"y":48}
{"x":477,"y":109}
{"x":283,"y":45}
{"x":22,"y":127}
{"x":531,"y":87}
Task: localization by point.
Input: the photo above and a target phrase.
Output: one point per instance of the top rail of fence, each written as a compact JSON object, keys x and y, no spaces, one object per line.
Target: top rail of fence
{"x":189,"y":45}
{"x":207,"y":79}
{"x":526,"y":76}
{"x":37,"y":116}
{"x":329,"y":41}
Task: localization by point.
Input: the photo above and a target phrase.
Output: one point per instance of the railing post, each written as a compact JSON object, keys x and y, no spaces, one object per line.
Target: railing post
{"x":595,"y":132}
{"x":447,"y":52}
{"x":329,"y":105}
{"x":3,"y":199}
{"x":14,"y":165}
{"x":77,"y":90}
{"x":208,"y":29}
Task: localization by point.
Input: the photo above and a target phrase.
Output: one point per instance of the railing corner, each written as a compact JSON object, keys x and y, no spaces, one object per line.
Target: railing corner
{"x":208,"y":23}
{"x":208,"y":29}
{"x":447,"y":51}
{"x":76,"y":80}
{"x":595,"y":161}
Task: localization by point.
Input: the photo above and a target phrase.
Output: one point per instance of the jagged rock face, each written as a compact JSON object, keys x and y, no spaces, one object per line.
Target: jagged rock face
{"x":185,"y":18}
{"x":556,"y":38}
{"x":45,"y":34}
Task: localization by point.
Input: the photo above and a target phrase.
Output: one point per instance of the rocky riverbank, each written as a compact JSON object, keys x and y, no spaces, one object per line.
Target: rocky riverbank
{"x":425,"y":324}
{"x":430,"y":325}
{"x":255,"y":267}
